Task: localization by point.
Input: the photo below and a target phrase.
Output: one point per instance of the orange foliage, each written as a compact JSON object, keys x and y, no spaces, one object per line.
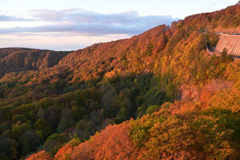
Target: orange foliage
{"x":227,"y":99}
{"x":183,"y":108}
{"x":64,"y":153}
{"x":83,"y":152}
{"x":211,"y":88}
{"x":40,"y":155}
{"x":111,"y":143}
{"x":205,"y":97}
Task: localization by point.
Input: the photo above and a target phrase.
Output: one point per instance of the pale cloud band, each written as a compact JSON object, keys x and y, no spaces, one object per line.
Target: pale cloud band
{"x":11,"y":18}
{"x":52,"y":29}
{"x":86,"y":22}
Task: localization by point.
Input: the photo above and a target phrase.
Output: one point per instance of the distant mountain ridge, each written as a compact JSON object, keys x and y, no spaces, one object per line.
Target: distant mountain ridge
{"x":23,"y":59}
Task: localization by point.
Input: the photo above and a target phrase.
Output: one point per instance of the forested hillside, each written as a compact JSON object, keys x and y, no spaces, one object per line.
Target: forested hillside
{"x":184,"y":103}
{"x":21,"y":59}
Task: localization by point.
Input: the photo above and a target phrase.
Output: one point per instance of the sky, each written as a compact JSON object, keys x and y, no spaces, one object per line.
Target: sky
{"x":75,"y":24}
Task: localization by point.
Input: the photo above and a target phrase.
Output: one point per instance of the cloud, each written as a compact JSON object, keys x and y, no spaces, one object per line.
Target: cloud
{"x":12,"y":18}
{"x":89,"y":23}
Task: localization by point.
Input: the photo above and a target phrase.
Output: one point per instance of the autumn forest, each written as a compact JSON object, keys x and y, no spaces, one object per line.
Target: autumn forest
{"x":157,"y":95}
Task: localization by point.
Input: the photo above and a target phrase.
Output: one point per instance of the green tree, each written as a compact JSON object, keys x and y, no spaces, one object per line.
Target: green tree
{"x":77,"y":113}
{"x":41,"y":124}
{"x":29,"y":142}
{"x":45,"y":102}
{"x":19,"y":128}
{"x":8,"y":148}
{"x":40,"y":114}
{"x":65,"y":124}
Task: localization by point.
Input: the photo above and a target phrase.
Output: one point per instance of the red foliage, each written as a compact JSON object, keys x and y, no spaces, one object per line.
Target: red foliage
{"x":112,"y":143}
{"x":64,"y":153}
{"x":40,"y":155}
{"x":83,"y":152}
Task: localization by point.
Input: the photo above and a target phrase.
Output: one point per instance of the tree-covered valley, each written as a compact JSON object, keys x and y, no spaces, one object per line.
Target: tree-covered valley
{"x":157,"y":95}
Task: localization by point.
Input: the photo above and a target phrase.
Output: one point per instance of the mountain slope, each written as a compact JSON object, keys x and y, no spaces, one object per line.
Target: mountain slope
{"x":139,"y":53}
{"x":19,"y":59}
{"x":185,"y":122}
{"x":165,"y":69}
